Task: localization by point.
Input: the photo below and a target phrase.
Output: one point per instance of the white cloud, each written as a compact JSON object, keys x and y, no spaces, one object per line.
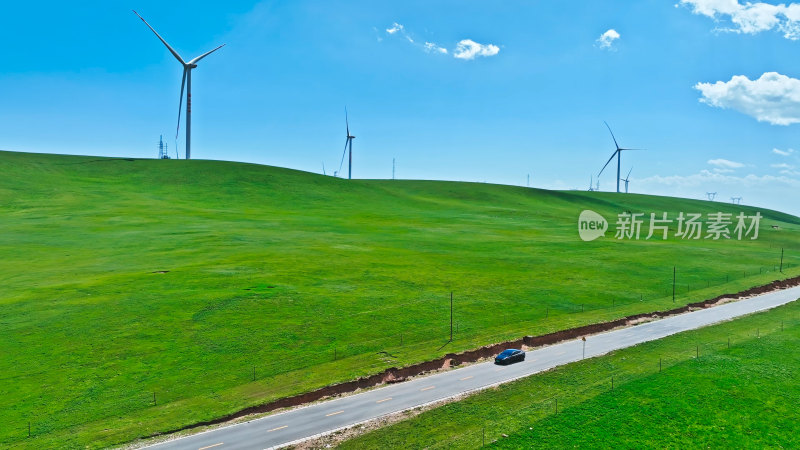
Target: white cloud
{"x":431,"y":47}
{"x":468,"y":49}
{"x":706,"y":176}
{"x":778,"y":151}
{"x":782,"y":166}
{"x":773,"y":98}
{"x":606,"y":40}
{"x":399,"y":29}
{"x":395,"y":28}
{"x":725,"y":164}
{"x":751,"y":18}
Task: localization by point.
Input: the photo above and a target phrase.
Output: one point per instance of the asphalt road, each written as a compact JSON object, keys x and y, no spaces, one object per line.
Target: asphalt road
{"x":320,"y":418}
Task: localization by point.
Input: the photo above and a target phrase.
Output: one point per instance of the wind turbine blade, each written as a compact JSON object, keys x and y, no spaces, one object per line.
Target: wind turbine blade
{"x":195,"y":61}
{"x":634,"y":149}
{"x":180,"y":102}
{"x":612,"y":134}
{"x":629,"y":173}
{"x":347,"y":123}
{"x":172,"y":50}
{"x":609,"y":160}
{"x":346,"y":141}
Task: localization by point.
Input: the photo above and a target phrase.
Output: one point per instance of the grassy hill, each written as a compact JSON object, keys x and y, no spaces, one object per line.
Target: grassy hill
{"x":122,"y":279}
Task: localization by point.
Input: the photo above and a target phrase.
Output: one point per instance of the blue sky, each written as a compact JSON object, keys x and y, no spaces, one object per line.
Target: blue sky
{"x":487,"y":91}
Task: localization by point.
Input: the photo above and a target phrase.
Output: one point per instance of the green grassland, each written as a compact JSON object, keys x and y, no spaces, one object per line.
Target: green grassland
{"x":742,"y":396}
{"x":188,"y":279}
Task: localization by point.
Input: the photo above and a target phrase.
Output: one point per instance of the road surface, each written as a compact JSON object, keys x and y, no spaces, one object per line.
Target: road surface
{"x":324,"y":417}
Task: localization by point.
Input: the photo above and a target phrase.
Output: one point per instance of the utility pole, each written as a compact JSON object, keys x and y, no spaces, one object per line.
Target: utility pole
{"x":451,"y":316}
{"x":781,"y":268}
{"x":673,"y":283}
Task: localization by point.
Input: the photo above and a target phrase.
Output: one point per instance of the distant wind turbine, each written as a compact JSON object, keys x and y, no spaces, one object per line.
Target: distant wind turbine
{"x":711,"y":196}
{"x":348,"y":143}
{"x":618,"y":154}
{"x":187,"y":83}
{"x":627,"y":180}
{"x":591,"y":183}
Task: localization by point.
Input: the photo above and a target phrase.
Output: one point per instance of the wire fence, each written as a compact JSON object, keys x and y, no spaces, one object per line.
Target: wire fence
{"x":505,"y":422}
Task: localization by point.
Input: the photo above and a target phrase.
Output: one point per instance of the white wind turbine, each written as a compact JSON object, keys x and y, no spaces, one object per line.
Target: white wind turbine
{"x":187,"y":83}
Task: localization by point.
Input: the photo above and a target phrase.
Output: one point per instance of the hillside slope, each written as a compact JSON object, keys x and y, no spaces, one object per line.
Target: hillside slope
{"x":125,"y":279}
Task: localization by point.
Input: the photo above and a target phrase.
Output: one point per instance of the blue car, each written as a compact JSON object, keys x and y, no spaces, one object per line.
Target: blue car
{"x":510,"y":356}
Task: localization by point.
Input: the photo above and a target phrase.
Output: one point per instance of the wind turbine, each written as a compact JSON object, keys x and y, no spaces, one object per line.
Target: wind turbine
{"x":711,"y":196}
{"x":348,"y":142}
{"x":187,"y":83}
{"x":591,"y":183}
{"x":626,"y":180}
{"x":617,"y":153}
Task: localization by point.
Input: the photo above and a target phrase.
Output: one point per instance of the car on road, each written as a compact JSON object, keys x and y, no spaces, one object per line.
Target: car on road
{"x":509,"y":356}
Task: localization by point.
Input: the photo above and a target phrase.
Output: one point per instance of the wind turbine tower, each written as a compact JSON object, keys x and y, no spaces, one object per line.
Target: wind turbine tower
{"x":348,"y":143}
{"x":618,"y":154}
{"x":591,"y":183}
{"x":185,"y":83}
{"x":627,"y":179}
